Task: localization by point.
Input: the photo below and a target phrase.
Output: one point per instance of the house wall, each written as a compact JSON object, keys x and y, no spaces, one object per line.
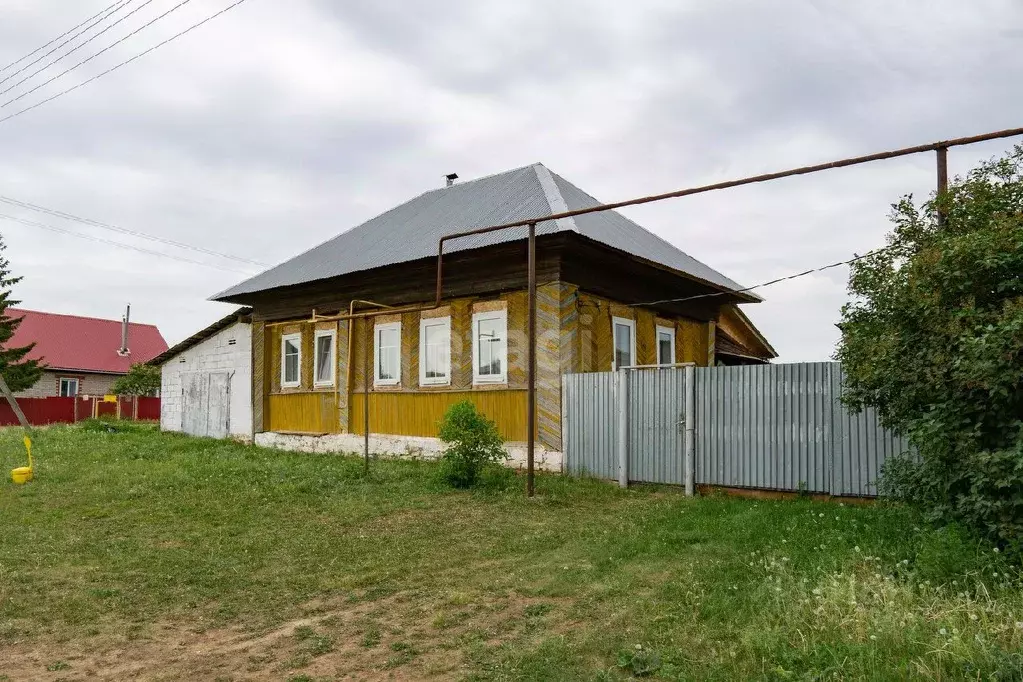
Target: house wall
{"x":407,"y":408}
{"x":594,"y":344}
{"x":215,"y":354}
{"x":89,"y":383}
{"x":574,"y":334}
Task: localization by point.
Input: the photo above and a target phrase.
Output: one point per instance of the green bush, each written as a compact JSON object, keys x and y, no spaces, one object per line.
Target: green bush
{"x":473,"y":445}
{"x":933,"y":339}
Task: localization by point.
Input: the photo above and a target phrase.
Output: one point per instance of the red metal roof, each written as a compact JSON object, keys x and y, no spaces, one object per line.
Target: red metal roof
{"x":87,"y":344}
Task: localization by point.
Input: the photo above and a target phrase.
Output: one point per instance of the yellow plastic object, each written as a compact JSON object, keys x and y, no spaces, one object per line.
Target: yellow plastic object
{"x":24,"y":474}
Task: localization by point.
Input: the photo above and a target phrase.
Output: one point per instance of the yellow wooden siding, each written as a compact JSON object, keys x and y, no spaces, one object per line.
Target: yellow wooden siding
{"x":646,"y":337}
{"x":304,"y":413}
{"x":691,"y":342}
{"x":575,"y":334}
{"x":418,"y":414}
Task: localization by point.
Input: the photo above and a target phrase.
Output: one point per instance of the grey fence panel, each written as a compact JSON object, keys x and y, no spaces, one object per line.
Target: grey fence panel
{"x":656,"y":404}
{"x":591,"y":425}
{"x":861,"y":447}
{"x":773,"y":427}
{"x":764,"y":426}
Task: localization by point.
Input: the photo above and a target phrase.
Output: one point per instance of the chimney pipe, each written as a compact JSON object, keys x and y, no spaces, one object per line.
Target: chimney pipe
{"x":450,"y":178}
{"x":124,"y":331}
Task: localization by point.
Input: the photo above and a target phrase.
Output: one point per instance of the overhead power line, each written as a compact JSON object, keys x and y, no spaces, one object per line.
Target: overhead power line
{"x":124,"y":230}
{"x":74,"y":28}
{"x":93,"y":56}
{"x":72,"y":50}
{"x":797,"y":275}
{"x":124,"y":63}
{"x":60,"y":230}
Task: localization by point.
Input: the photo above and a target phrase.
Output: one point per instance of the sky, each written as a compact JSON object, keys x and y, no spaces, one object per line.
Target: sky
{"x":276,"y":126}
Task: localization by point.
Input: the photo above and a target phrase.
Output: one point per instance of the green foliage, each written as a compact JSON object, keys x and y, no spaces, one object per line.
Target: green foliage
{"x":473,"y":445}
{"x":934,"y":341}
{"x":141,"y":379}
{"x":17,"y":371}
{"x":639,"y":662}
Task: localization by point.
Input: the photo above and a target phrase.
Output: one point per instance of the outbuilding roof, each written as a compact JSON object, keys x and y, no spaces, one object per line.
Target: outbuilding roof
{"x":236,"y":317}
{"x":86,"y":344}
{"x":411,"y":231}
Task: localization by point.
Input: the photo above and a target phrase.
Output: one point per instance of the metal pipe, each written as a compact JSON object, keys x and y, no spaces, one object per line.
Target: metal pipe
{"x":348,"y":352}
{"x":803,"y":170}
{"x":365,"y":404}
{"x":942,"y":159}
{"x":531,"y":362}
{"x":671,"y":366}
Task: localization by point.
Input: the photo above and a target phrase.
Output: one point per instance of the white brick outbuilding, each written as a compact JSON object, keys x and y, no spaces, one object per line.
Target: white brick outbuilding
{"x":206,"y":386}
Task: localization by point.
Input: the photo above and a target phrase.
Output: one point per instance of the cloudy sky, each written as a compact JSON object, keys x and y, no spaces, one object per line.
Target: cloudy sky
{"x":277,"y":125}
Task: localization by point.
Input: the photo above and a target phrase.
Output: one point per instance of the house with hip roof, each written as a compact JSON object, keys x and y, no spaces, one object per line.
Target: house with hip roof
{"x":314,"y":379}
{"x":83,"y":355}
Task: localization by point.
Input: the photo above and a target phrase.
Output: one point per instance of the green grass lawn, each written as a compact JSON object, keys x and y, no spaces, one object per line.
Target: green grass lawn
{"x":147,"y":555}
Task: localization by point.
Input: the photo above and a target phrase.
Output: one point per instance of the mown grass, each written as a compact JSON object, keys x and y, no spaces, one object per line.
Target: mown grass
{"x":123,"y":531}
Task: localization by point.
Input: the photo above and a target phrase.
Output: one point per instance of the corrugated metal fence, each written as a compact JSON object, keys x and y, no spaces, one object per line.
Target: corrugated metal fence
{"x":773,"y":427}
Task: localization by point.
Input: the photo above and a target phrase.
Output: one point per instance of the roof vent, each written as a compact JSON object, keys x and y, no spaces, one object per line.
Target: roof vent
{"x":451,"y":177}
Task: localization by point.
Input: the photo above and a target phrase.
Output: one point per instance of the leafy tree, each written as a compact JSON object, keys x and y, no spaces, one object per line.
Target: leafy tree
{"x":19,"y":373}
{"x":141,"y":379}
{"x":473,"y":444}
{"x":933,"y":339}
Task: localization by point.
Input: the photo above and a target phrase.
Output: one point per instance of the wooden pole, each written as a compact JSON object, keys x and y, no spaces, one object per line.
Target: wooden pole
{"x":531,"y":395}
{"x":14,"y":405}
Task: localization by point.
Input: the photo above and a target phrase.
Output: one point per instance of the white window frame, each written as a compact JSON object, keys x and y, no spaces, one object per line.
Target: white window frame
{"x":320,"y":334}
{"x":631,"y":324}
{"x":670,"y":331}
{"x":425,"y":322}
{"x":385,"y":326}
{"x":60,"y":387}
{"x":477,"y":378}
{"x":297,"y":340}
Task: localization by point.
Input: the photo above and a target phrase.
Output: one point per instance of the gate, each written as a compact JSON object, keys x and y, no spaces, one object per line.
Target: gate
{"x":594,"y":437}
{"x":206,"y":404}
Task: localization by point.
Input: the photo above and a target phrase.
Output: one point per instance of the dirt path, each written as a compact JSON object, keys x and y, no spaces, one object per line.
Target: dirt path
{"x":386,"y":639}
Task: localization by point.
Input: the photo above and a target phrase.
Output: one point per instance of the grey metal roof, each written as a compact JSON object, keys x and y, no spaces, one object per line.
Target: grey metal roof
{"x":410,"y":231}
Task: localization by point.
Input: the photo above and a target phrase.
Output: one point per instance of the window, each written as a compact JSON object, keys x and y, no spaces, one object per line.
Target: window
{"x":625,"y":342}
{"x":665,"y":345}
{"x":387,"y":348}
{"x":323,"y":359}
{"x":490,"y":347}
{"x":435,"y":351}
{"x":68,"y":388}
{"x":291,"y":360}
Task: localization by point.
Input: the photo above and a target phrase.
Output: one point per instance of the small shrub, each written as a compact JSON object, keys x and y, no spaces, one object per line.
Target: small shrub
{"x":473,"y":445}
{"x":641,"y":663}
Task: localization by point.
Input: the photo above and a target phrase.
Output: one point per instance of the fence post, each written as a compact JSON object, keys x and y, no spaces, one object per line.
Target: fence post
{"x":564,"y":424}
{"x":689,"y":374}
{"x":623,"y":428}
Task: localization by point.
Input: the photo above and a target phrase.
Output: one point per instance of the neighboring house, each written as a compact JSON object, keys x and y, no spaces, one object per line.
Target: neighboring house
{"x":206,"y":380}
{"x":83,"y":355}
{"x":592,"y":270}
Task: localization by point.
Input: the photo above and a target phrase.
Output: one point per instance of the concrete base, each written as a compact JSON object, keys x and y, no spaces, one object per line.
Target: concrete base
{"x":401,"y":447}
